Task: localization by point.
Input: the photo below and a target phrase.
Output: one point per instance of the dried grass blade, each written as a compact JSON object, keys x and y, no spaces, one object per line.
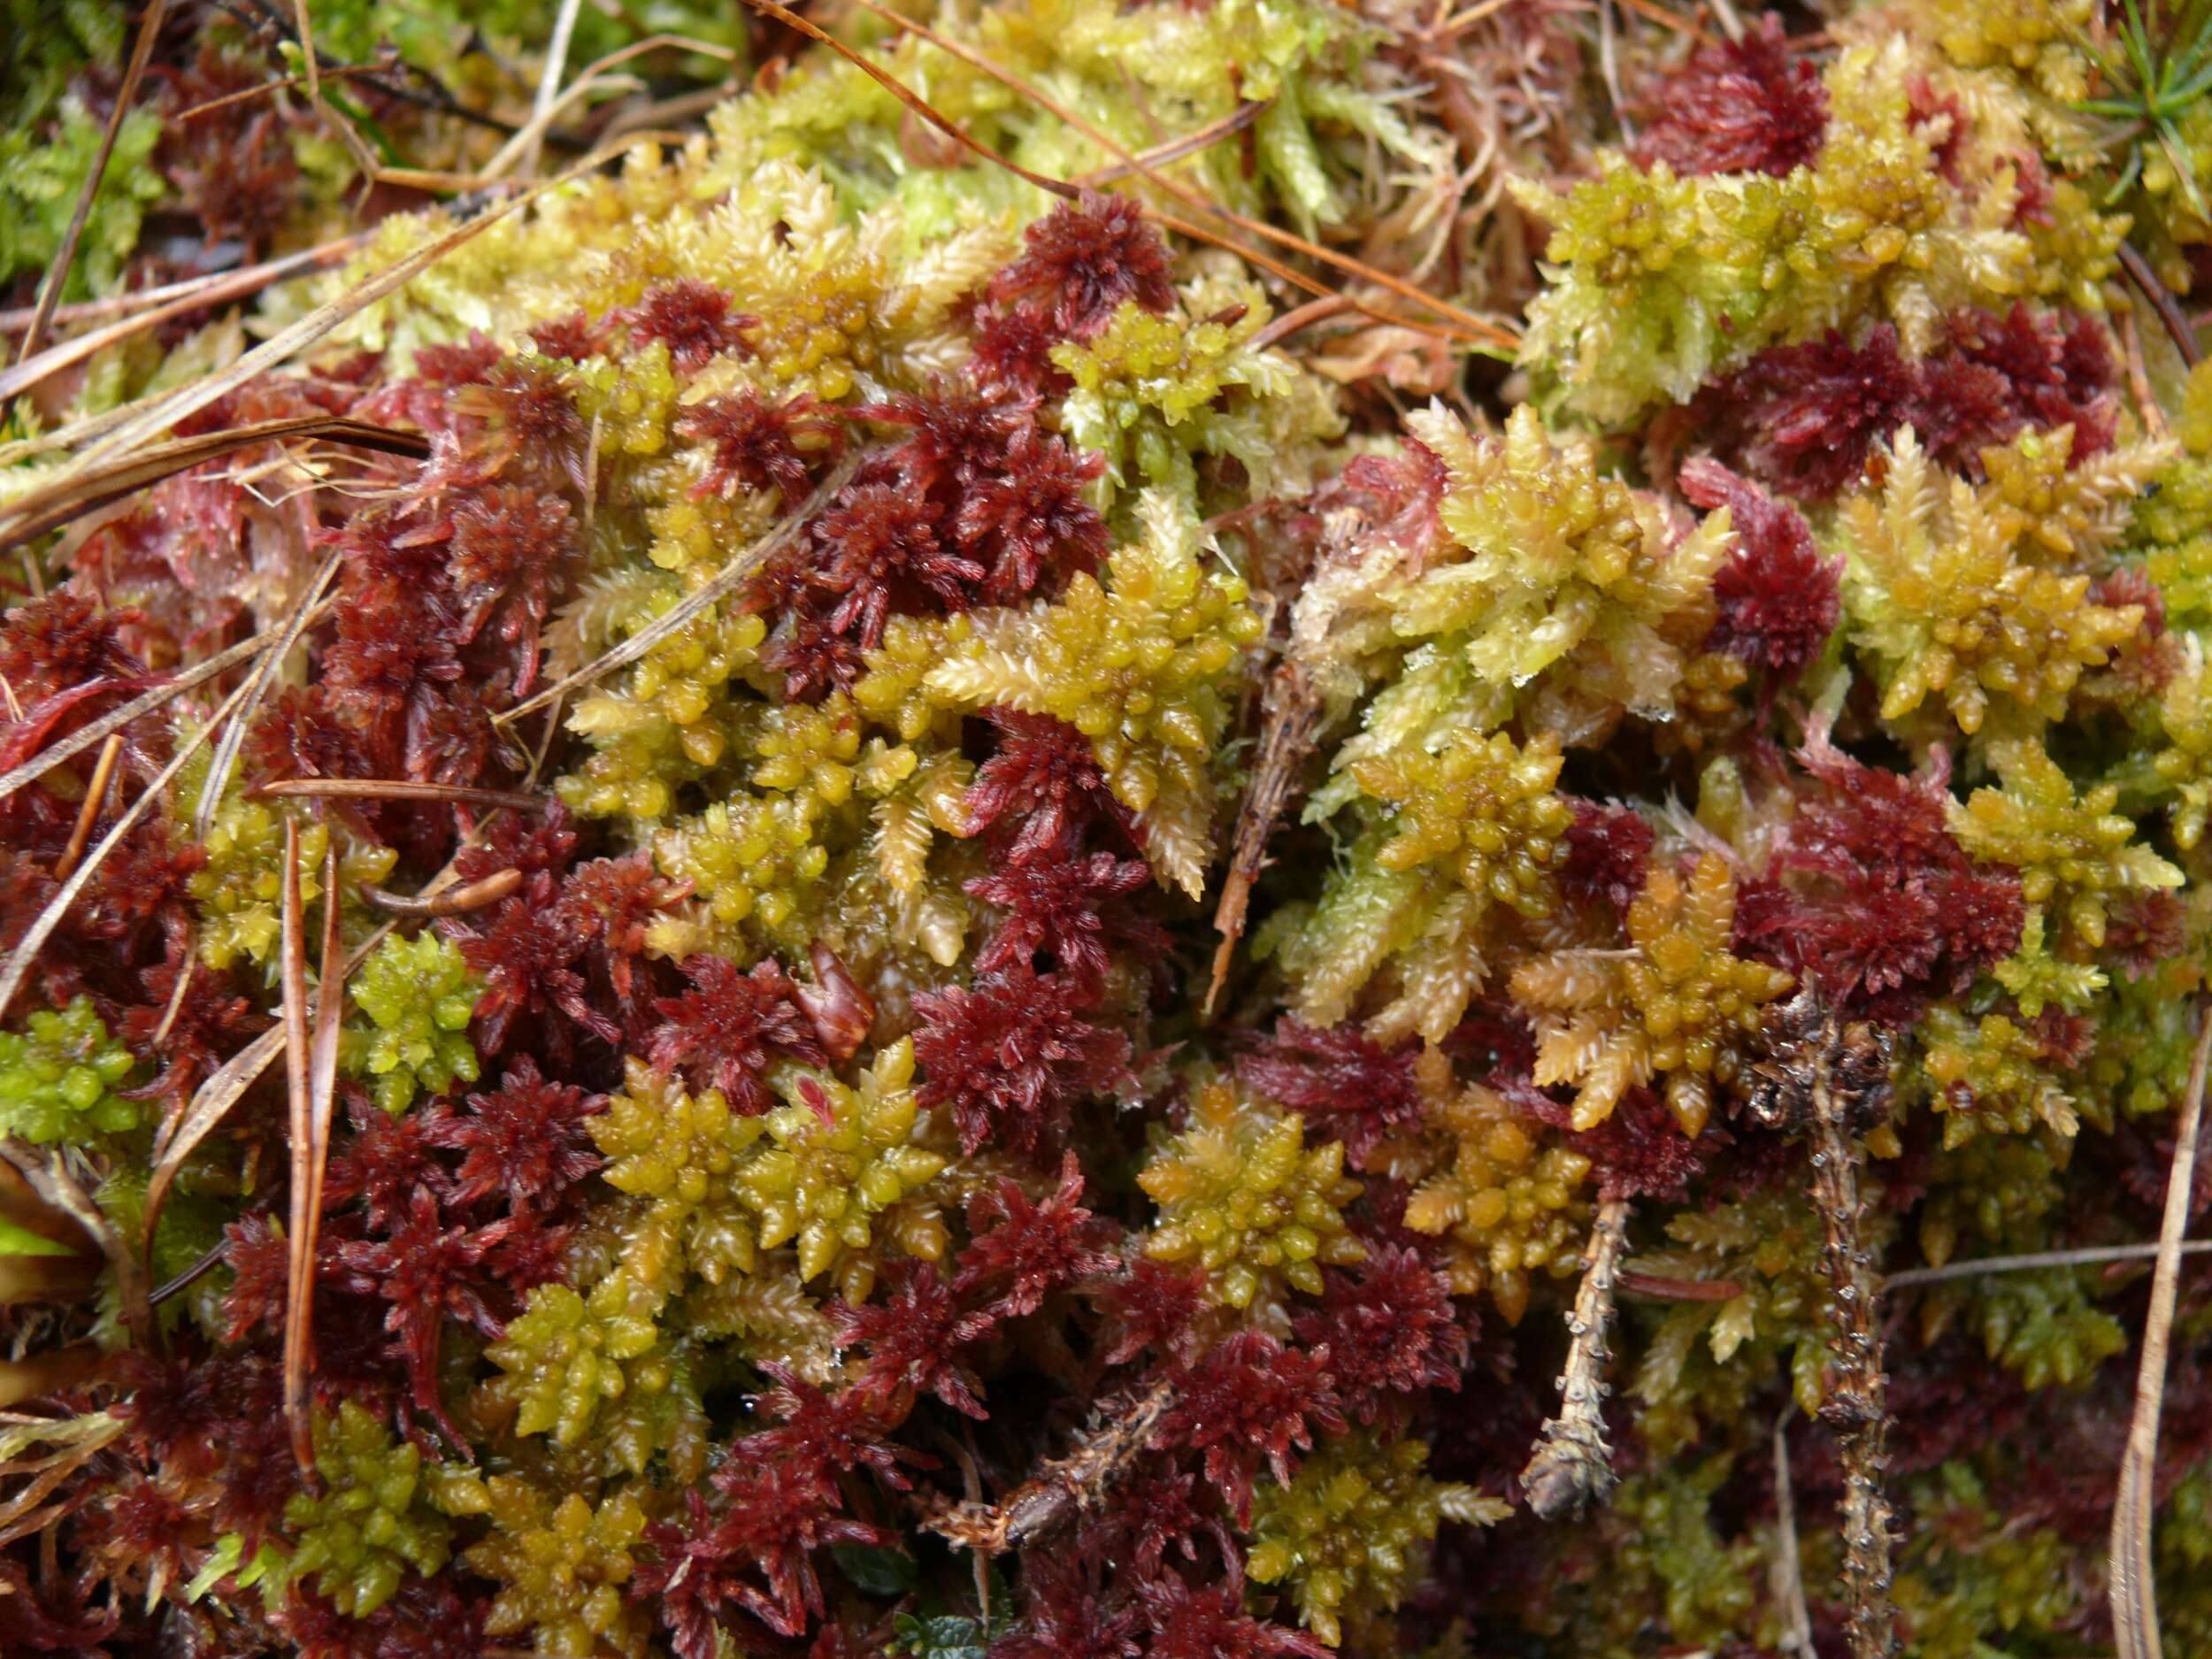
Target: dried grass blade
{"x":215,"y":1097}
{"x":34,"y":941}
{"x":73,"y":493}
{"x":179,"y":299}
{"x":178,"y":1138}
{"x":1787,"y":1576}
{"x":2134,"y":1591}
{"x":544,"y":109}
{"x":330,"y":1005}
{"x":299,"y":1281}
{"x":287,"y":343}
{"x":1291,"y":717}
{"x":733,"y":576}
{"x":57,"y":275}
{"x":167,"y":691}
{"x":2091,"y":1256}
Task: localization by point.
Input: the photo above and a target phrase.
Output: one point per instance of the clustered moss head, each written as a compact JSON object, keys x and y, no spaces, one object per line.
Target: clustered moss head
{"x":58,"y":1078}
{"x":374,"y":1521}
{"x":1241,"y":1195}
{"x":418,"y":995}
{"x":562,"y":1568}
{"x":1347,"y":1537}
{"x":1506,"y":1196}
{"x":1678,"y":1005}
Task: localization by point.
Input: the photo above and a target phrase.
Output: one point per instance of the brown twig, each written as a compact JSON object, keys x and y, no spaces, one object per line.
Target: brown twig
{"x":2161,"y":300}
{"x":453,"y":902}
{"x":2134,"y":1590}
{"x":1573,"y":1466}
{"x":1060,"y":1489}
{"x":57,"y":274}
{"x":1291,"y":713}
{"x":398,"y":789}
{"x":1832,"y":1080}
{"x":95,"y":796}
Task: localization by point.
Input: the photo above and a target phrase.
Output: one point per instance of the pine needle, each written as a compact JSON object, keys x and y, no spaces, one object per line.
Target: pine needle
{"x":311,"y":1073}
{"x":1476,"y":329}
{"x":2161,"y":300}
{"x":78,"y":491}
{"x":2134,"y":1590}
{"x":95,"y":796}
{"x":398,"y":789}
{"x":453,"y":902}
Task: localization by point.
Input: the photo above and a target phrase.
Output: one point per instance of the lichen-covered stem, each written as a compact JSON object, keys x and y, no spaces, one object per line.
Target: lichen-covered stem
{"x":1573,"y":1465}
{"x":1857,"y":1404}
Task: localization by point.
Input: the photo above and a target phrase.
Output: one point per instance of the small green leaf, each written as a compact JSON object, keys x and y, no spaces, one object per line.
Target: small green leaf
{"x":944,"y":1636}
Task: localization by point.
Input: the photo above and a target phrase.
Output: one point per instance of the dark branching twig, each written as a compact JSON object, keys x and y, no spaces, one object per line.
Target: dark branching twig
{"x":1831,"y":1080}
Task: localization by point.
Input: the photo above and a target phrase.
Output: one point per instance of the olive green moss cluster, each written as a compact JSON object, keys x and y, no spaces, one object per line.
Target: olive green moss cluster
{"x":58,"y":1078}
{"x":418,"y":995}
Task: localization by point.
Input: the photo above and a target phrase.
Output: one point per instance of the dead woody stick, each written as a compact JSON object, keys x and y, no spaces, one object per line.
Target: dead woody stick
{"x":1832,"y":1080}
{"x":1573,"y":1466}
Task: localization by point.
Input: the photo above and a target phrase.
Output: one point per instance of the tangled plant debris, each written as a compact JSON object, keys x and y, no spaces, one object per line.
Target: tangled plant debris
{"x":1165,"y":831}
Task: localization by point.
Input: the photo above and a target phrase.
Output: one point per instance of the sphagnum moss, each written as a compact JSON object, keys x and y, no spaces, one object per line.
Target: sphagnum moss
{"x":1724,"y":794}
